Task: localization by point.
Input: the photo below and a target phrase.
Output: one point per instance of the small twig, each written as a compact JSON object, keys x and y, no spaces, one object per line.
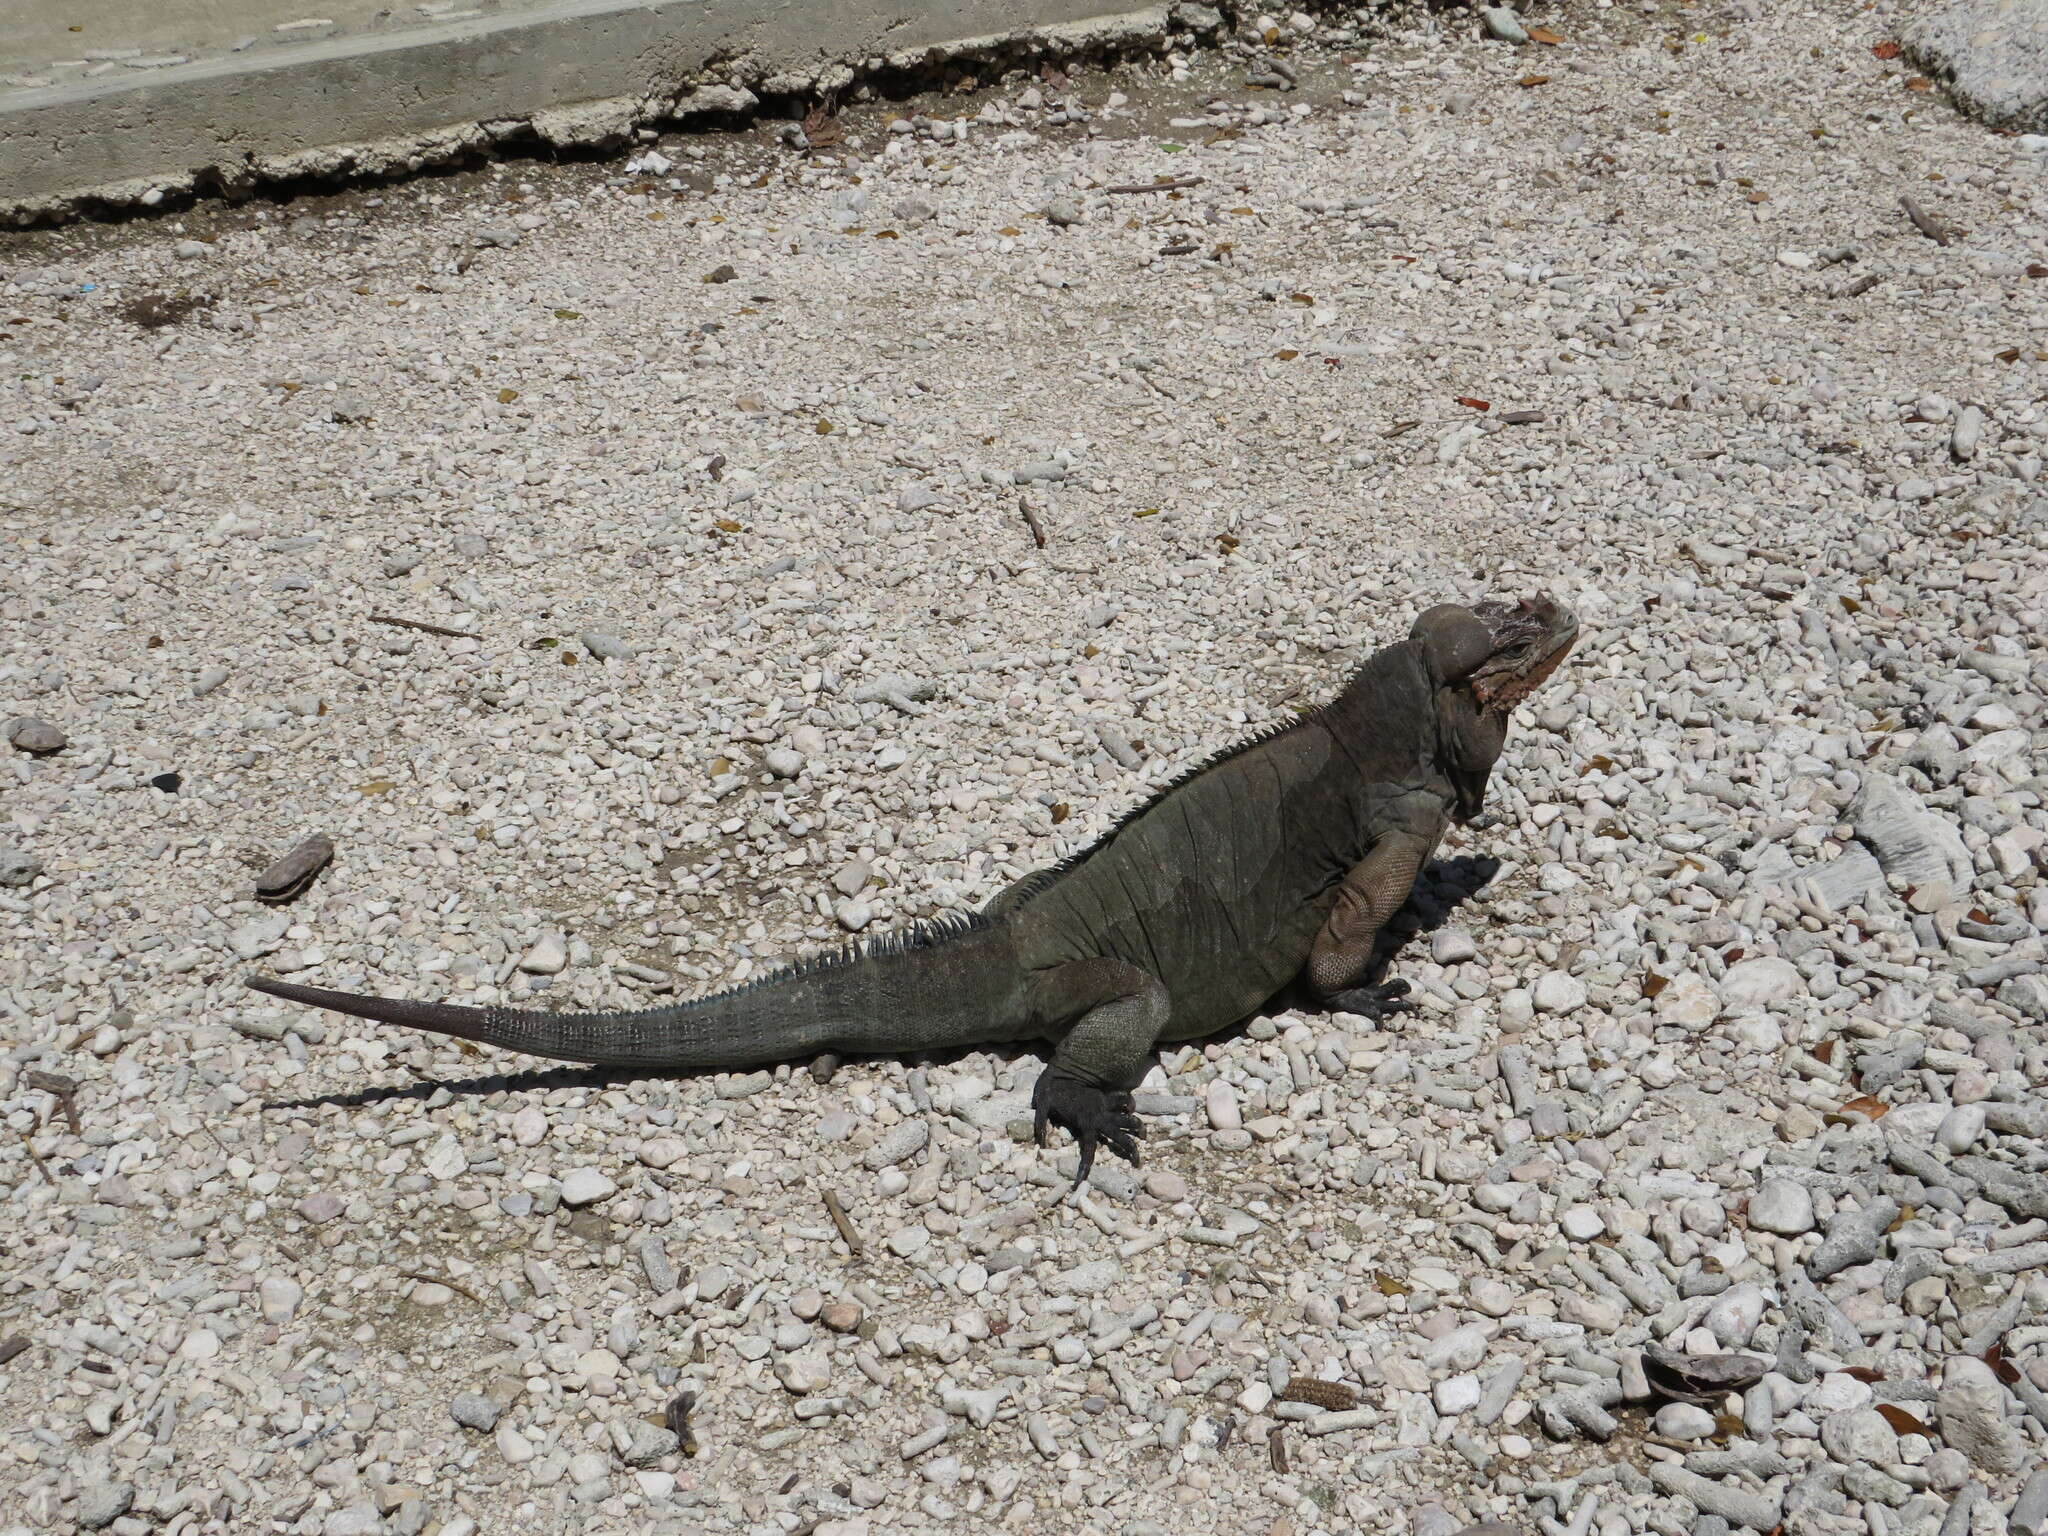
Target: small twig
{"x":454,"y":1285}
{"x":36,"y":1157}
{"x":1157,"y":186}
{"x":1399,"y":427}
{"x":1276,"y":1447}
{"x":839,"y":1219}
{"x":422,"y":626}
{"x":1031,"y":521}
{"x":1924,"y":221}
{"x":1862,"y":285}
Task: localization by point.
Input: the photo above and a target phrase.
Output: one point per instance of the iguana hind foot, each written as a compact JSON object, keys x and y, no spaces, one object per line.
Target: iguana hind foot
{"x":1097,"y":1118}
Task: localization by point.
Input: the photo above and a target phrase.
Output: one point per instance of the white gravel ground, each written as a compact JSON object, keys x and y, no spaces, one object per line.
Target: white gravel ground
{"x":760,"y":649}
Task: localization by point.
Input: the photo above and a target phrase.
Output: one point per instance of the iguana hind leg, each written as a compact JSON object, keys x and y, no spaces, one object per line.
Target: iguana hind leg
{"x":1118,"y":1010}
{"x":1370,"y":894}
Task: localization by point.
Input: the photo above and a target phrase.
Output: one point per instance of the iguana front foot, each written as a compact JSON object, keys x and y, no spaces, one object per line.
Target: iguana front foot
{"x":1372,"y":1002}
{"x":1095,"y":1117}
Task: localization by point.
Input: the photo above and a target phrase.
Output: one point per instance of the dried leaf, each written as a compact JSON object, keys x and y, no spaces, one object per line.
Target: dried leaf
{"x":1387,"y":1285}
{"x":821,"y":128}
{"x":726,"y":525}
{"x":1287,"y":354}
{"x":376,"y":787}
{"x":1528,"y":81}
{"x":1600,"y":762}
{"x":823,"y":429}
{"x":1900,"y":1420}
{"x":1653,"y":983}
{"x":1146,"y":512}
{"x":507,"y":396}
{"x":721,"y":274}
{"x":2000,"y":1366}
{"x":568,"y":314}
{"x":1863,"y":1373}
{"x":1824,"y":1053}
{"x":1919,"y":83}
{"x":1885,"y":50}
{"x":1473,"y":402}
{"x":1302,"y":298}
{"x":1061,"y":812}
{"x":1544,"y":35}
{"x":1870,"y":1108}
{"x":1701,"y":1379}
{"x":1851,"y":605}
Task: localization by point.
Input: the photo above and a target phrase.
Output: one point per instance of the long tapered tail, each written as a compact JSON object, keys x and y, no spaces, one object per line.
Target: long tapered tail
{"x":919,"y":990}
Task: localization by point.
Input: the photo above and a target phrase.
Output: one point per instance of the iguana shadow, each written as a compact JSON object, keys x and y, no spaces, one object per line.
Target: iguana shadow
{"x":1445,"y":886}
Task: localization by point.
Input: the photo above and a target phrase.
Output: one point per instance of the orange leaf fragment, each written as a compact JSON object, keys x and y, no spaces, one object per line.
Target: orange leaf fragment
{"x":1900,"y":1420}
{"x":1885,"y":50}
{"x":1544,"y":35}
{"x":1475,"y":403}
{"x":1531,"y":80}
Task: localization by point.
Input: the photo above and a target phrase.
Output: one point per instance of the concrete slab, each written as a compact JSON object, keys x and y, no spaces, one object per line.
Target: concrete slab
{"x":107,"y":103}
{"x":1992,"y":55}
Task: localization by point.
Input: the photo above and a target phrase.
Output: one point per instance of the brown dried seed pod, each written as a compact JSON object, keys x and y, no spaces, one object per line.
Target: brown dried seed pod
{"x":1333,"y":1395}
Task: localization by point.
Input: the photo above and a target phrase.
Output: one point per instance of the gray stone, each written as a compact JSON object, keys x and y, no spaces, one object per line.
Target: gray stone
{"x":17,"y":867}
{"x":1912,"y":843}
{"x":322,"y":1206}
{"x":472,"y":1410}
{"x":649,"y":1444}
{"x":355,"y":1520}
{"x":607,"y":647}
{"x":1853,"y":1238}
{"x":1992,"y":55}
{"x":1969,"y":1410}
{"x":1765,"y":982}
{"x":101,"y":1504}
{"x":1782,"y":1206}
{"x":586,"y":1186}
{"x":290,"y":874}
{"x":1504,"y":24}
{"x":1859,"y":1437}
{"x":1684,"y":1421}
{"x":37,"y":737}
{"x":279,"y":1297}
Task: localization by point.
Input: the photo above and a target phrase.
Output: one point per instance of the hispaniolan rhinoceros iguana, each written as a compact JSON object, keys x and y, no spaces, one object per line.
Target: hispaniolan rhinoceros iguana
{"x":1269,"y":868}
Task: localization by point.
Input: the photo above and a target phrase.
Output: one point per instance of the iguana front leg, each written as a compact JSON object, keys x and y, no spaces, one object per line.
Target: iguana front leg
{"x":1370,"y":894}
{"x":1118,"y":1011}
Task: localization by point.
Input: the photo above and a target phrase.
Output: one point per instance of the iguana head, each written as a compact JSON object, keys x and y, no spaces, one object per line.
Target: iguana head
{"x":1530,"y":638}
{"x":1500,"y":651}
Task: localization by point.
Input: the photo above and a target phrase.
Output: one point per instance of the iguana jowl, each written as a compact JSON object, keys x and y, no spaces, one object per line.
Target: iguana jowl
{"x":1270,"y":868}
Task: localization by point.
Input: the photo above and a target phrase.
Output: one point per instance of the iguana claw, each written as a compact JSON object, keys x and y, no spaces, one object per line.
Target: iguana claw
{"x":1097,"y":1118}
{"x":1373,"y":1002}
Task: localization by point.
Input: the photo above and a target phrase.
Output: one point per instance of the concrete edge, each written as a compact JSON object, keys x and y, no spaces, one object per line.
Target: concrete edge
{"x":577,"y":74}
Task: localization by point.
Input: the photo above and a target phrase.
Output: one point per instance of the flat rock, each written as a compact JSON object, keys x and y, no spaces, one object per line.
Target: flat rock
{"x":1782,"y":1206}
{"x":101,"y":1504}
{"x":36,"y":737}
{"x":1911,"y":843}
{"x":586,"y":1186}
{"x":1688,"y":1002}
{"x":1765,"y":982}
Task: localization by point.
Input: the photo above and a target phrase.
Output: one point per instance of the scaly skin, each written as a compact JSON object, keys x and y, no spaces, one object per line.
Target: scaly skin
{"x":1275,"y":864}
